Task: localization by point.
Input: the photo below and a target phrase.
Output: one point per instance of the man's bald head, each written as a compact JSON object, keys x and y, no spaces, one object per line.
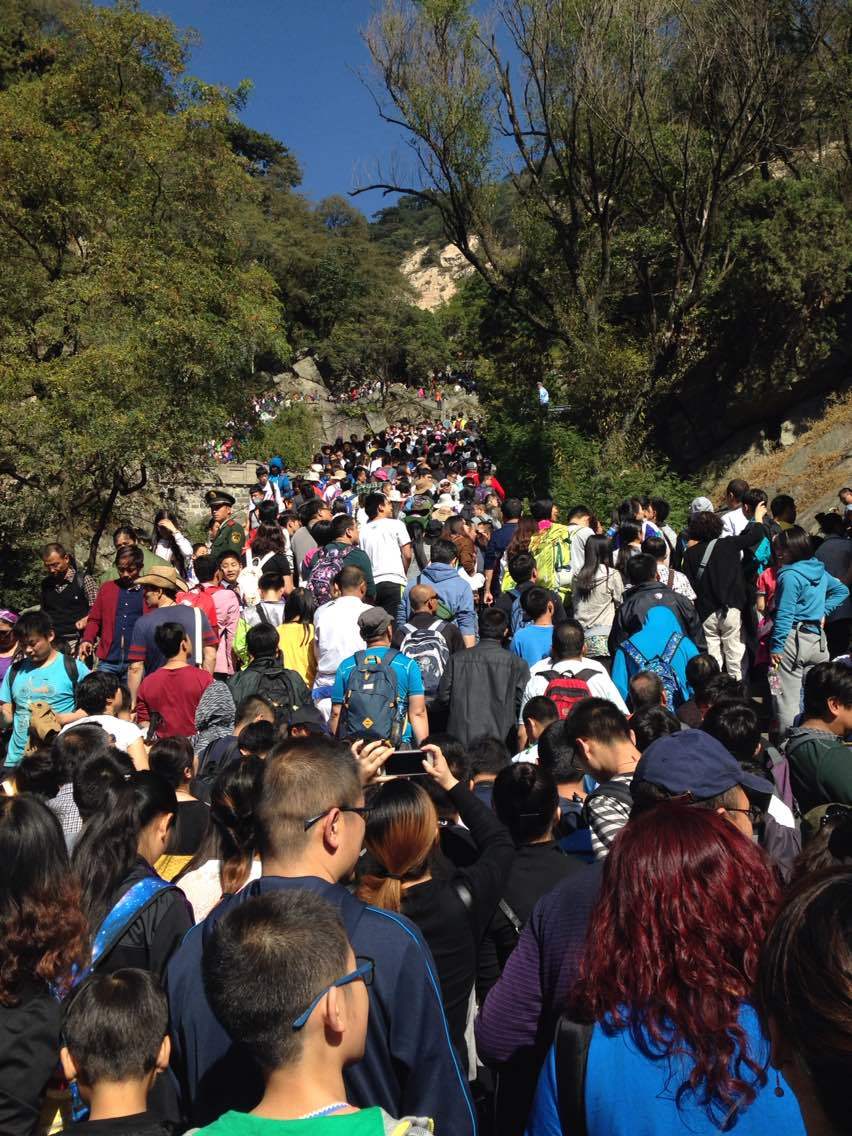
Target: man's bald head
{"x":421,"y":596}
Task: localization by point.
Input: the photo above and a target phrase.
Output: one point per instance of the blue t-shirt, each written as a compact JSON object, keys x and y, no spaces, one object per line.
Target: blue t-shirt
{"x":532,"y":643}
{"x":143,"y":648}
{"x":409,"y":681}
{"x":48,"y":683}
{"x":628,"y":1094}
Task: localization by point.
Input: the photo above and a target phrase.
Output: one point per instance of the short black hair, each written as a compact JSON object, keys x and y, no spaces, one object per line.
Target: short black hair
{"x":568,"y":640}
{"x":661,"y":509}
{"x":541,"y":509}
{"x":652,"y":722}
{"x":34,"y":623}
{"x":641,"y":569}
{"x":534,"y":601}
{"x":168,"y":636}
{"x":824,"y":681}
{"x":646,"y":689}
{"x":705,"y":526}
{"x":270,"y":582}
{"x":443,"y":551}
{"x":655,"y":546}
{"x":736,"y":725}
{"x":262,"y":641}
{"x":263,"y":964}
{"x":229,"y":554}
{"x":737,"y":488}
{"x":521,"y":567}
{"x":96,"y":773}
{"x":597,"y":719}
{"x":95,"y":690}
{"x":258,"y":737}
{"x":718,"y":687}
{"x":349,"y":578}
{"x":512,"y":509}
{"x":525,"y":800}
{"x":487,"y":755}
{"x":493,"y":623}
{"x":250,"y":706}
{"x":115,"y":1024}
{"x":206,"y":568}
{"x":558,"y":755}
{"x":372,"y":503}
{"x":340,"y":525}
{"x":540,"y":708}
{"x":754,"y":497}
{"x":700,"y":669}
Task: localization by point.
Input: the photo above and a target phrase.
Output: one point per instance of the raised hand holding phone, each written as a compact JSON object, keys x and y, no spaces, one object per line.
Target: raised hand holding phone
{"x":438,"y":769}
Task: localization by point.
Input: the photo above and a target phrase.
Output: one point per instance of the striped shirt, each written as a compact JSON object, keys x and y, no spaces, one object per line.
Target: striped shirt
{"x":607,"y":816}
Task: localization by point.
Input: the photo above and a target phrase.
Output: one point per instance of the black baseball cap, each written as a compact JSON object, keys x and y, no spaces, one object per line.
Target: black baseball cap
{"x":694,"y":762}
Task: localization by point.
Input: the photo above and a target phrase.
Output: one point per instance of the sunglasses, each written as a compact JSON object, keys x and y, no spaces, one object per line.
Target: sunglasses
{"x":363,"y":972}
{"x":363,"y":811}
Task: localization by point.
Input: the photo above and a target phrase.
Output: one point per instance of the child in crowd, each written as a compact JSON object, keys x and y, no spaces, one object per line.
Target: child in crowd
{"x":116,"y":1045}
{"x":283,"y":980}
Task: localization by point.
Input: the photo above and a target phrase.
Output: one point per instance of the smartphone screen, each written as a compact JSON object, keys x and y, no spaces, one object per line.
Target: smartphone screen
{"x":406,"y":763}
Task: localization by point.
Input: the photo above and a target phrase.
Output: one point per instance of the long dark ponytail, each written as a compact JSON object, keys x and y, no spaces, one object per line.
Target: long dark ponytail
{"x":107,"y":848}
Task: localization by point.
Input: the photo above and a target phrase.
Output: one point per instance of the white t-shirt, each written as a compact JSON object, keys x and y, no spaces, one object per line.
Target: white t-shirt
{"x":125,"y":733}
{"x":600,"y":684}
{"x":203,"y":888}
{"x":382,"y":540}
{"x":734,"y":522}
{"x":338,"y":634}
{"x":529,"y":754}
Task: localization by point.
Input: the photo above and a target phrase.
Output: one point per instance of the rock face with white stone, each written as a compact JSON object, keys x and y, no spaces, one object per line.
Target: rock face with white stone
{"x":436,"y":283}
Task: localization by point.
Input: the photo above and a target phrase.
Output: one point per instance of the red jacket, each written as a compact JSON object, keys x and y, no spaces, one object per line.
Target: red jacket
{"x":101,"y":620}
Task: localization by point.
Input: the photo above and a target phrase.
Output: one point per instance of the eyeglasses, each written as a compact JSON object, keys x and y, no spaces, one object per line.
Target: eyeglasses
{"x":362,"y":810}
{"x":363,"y":971}
{"x":755,"y":815}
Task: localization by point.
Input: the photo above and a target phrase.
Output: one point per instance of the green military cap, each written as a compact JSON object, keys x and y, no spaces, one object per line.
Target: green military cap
{"x":216,"y":497}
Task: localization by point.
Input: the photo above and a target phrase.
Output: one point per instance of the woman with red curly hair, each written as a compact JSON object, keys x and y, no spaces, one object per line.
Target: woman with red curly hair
{"x":43,"y":935}
{"x":670,"y":963}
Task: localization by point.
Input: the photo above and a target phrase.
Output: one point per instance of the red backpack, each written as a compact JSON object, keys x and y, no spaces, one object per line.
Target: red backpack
{"x":202,"y":598}
{"x":566,"y":690}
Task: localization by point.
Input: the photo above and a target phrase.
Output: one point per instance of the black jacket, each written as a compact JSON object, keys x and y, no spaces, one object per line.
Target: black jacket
{"x":536,"y":870}
{"x":29,"y":1051}
{"x":638,"y":601}
{"x":483,"y":687}
{"x":151,"y":940}
{"x":722,"y":584}
{"x":453,"y":928}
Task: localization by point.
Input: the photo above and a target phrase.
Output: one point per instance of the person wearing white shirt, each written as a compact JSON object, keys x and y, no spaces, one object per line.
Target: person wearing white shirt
{"x":387,"y":543}
{"x":578,"y":527}
{"x":567,"y":657}
{"x":337,"y":635}
{"x":99,"y":697}
{"x":735,"y":520}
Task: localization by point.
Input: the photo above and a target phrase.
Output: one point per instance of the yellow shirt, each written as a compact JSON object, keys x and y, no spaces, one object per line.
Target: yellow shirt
{"x":297,"y":646}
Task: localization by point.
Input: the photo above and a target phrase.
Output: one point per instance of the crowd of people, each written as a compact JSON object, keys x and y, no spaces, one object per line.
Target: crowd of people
{"x":398,"y":805}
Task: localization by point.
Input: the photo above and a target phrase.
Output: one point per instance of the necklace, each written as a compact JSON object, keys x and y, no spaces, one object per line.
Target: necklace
{"x":329,"y":1108}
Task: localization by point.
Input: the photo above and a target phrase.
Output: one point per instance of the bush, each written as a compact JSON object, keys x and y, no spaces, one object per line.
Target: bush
{"x":294,"y":433}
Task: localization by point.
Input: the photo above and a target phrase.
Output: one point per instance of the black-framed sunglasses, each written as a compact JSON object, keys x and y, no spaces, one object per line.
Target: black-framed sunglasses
{"x":363,"y":812}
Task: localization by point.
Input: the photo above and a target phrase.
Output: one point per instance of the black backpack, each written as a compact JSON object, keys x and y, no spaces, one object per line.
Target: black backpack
{"x":272,"y":683}
{"x":571,"y":1053}
{"x":615,"y":790}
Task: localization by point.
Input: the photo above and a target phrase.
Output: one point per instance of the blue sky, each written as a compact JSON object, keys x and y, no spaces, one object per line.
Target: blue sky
{"x":302,"y":56}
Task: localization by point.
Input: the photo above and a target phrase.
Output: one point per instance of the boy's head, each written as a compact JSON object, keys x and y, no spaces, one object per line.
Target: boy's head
{"x":538,"y":605}
{"x":569,"y":641}
{"x":539,"y":712}
{"x":716,"y":689}
{"x":116,"y":1031}
{"x":173,"y":641}
{"x":602,"y":738}
{"x":828,"y":696}
{"x":783,"y":509}
{"x":96,"y":693}
{"x":272,"y":971}
{"x":558,"y":757}
{"x":736,"y":725}
{"x":699,"y":670}
{"x":262,"y":641}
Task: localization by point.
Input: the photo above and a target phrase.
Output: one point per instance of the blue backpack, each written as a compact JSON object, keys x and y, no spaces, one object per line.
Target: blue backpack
{"x":518,"y":617}
{"x":660,"y":665}
{"x":371,"y":701}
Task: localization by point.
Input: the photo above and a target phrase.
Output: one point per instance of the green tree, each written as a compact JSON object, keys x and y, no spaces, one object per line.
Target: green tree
{"x":131,"y":315}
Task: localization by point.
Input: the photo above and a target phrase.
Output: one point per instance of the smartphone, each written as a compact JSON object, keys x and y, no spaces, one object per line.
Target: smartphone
{"x":406,"y":763}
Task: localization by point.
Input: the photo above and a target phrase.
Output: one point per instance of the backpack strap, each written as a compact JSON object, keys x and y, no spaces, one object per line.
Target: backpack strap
{"x":511,"y":916}
{"x":670,"y":577}
{"x":675,"y":640}
{"x":615,"y":790}
{"x":70,"y":670}
{"x":571,"y":1045}
{"x":705,"y":559}
{"x":124,"y":913}
{"x":634,"y":654}
{"x":262,"y":614}
{"x":585,"y":675}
